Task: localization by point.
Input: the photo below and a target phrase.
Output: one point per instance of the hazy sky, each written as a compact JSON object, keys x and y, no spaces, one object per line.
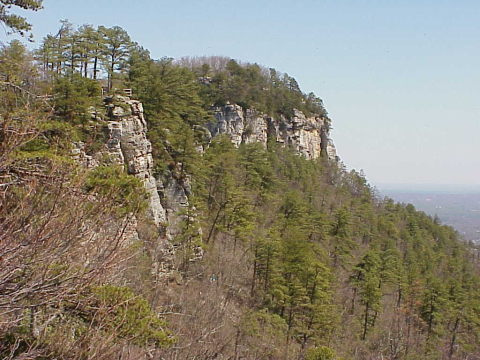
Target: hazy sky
{"x":400,"y":80}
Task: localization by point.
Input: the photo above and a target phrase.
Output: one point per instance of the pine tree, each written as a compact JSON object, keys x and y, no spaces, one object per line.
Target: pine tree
{"x":116,"y":48}
{"x":16,"y":23}
{"x":366,"y":279}
{"x":341,"y":241}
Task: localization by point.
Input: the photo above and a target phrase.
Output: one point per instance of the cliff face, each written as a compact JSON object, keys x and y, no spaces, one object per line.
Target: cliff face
{"x":128,"y":145}
{"x":309,"y":136}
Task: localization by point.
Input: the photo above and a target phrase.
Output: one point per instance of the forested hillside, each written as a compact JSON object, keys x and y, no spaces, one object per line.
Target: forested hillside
{"x":259,"y":253}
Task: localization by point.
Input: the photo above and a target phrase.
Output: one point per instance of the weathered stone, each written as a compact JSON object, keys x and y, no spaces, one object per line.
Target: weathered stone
{"x":128,"y":145}
{"x":175,"y":200}
{"x":79,"y":155}
{"x":309,"y":136}
{"x":203,"y":137}
{"x":118,"y":111}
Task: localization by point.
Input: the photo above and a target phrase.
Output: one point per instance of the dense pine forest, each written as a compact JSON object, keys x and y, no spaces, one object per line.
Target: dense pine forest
{"x":271,"y":255}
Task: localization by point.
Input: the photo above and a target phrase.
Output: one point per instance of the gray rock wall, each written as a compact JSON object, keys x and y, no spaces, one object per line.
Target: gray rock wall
{"x":128,"y":145}
{"x":309,"y":136}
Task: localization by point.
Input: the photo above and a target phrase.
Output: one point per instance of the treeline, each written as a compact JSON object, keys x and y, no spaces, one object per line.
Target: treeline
{"x":301,"y":259}
{"x":74,"y":64}
{"x":251,"y":86}
{"x":86,"y":51}
{"x":94,"y":52}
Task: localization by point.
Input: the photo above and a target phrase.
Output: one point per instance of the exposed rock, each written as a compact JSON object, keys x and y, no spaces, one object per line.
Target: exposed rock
{"x":230,"y":120}
{"x":79,"y":155}
{"x":128,"y":145}
{"x":309,"y":136}
{"x":175,"y":200}
{"x":256,"y":128}
{"x":331,"y":151}
{"x":202,"y":137}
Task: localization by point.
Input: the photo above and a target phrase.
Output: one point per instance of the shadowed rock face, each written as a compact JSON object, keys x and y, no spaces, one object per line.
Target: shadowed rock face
{"x":128,"y":145}
{"x":309,"y":136}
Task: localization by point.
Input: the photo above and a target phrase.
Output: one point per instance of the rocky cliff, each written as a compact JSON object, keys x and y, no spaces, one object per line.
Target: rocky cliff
{"x":309,"y":136}
{"x":128,"y":145}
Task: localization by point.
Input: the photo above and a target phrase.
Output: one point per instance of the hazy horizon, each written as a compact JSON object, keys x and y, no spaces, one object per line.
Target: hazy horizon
{"x":427,"y":188}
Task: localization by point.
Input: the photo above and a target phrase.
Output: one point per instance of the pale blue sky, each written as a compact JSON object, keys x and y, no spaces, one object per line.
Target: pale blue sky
{"x":401,"y":80}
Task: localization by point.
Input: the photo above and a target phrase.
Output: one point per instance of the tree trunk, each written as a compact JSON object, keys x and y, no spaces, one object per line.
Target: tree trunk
{"x":95,"y":63}
{"x":110,"y":75}
{"x":365,"y":324}
{"x":454,"y":338}
{"x":215,"y":223}
{"x":352,"y":309}
{"x":252,"y":290}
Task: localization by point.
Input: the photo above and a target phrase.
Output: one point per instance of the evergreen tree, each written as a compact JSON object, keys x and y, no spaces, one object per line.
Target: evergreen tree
{"x":366,"y":279}
{"x":74,"y":96}
{"x":18,"y":24}
{"x":341,"y":237}
{"x":116,"y":47}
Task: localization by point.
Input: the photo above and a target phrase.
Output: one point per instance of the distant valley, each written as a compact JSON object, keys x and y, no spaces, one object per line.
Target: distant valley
{"x":455,"y":205}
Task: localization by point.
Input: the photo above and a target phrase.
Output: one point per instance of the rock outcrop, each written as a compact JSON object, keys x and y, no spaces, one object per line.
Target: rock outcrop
{"x":175,"y":200}
{"x":128,"y":145}
{"x":309,"y":136}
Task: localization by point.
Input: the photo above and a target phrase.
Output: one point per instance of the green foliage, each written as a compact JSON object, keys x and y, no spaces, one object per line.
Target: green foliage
{"x":112,"y":182}
{"x":126,"y":315}
{"x":172,"y":108}
{"x":252,"y":86}
{"x":74,"y":95}
{"x":341,"y":237}
{"x":16,"y":23}
{"x":87,"y":51}
{"x":320,"y":353}
{"x":13,"y":58}
{"x":116,"y":48}
{"x":306,"y":233}
{"x":367,"y":280}
{"x":303,"y":251}
{"x":263,"y":333}
{"x":259,"y":175}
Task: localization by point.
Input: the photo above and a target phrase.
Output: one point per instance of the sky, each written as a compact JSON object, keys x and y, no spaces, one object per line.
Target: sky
{"x":400,"y":79}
